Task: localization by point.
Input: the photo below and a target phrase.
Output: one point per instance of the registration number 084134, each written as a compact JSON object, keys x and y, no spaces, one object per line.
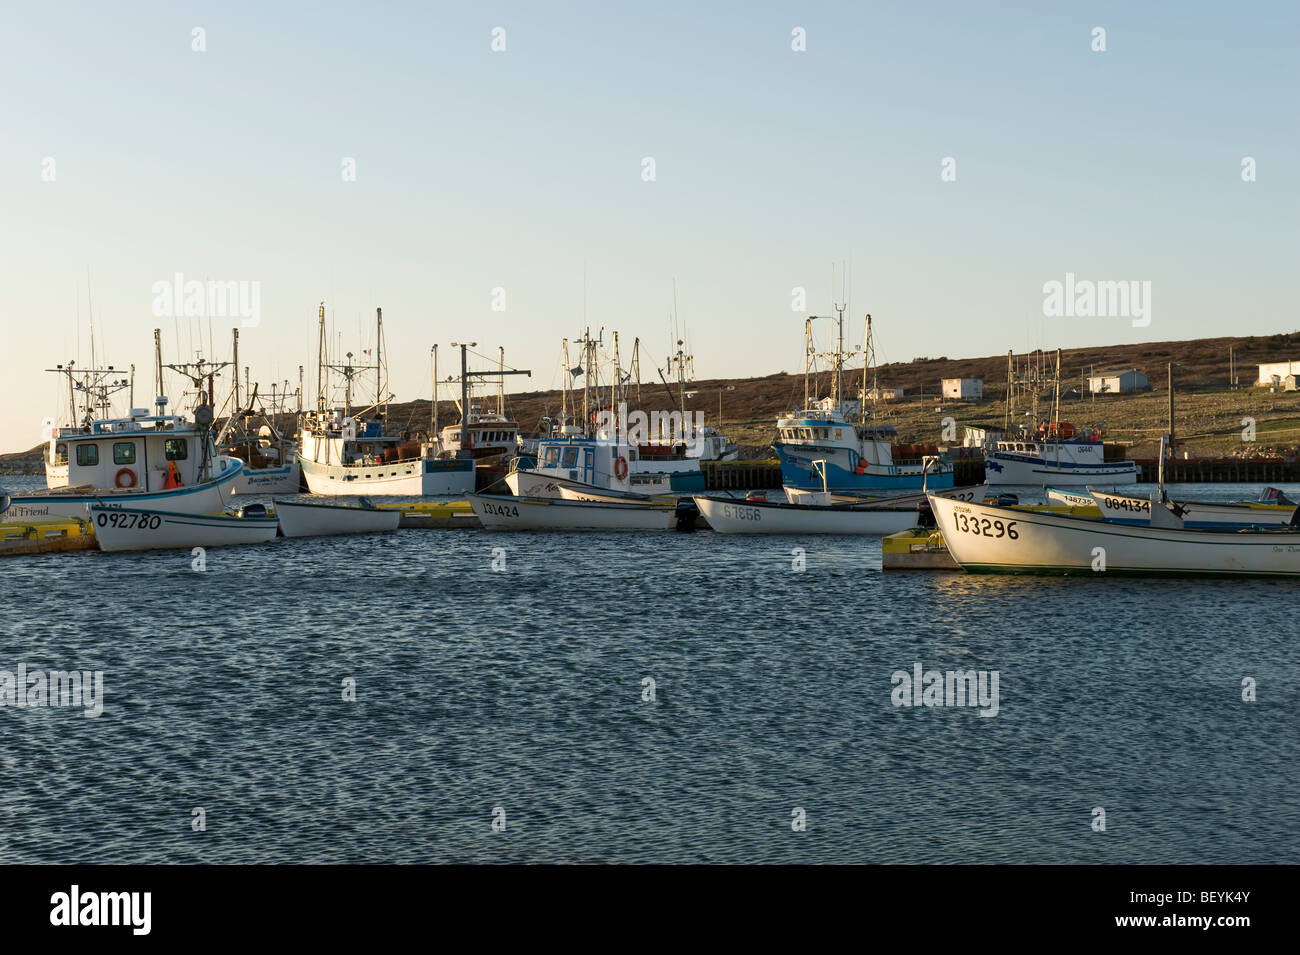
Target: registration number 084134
{"x":987,"y":526}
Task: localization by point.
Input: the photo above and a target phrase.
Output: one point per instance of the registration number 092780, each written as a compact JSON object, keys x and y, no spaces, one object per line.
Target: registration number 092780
{"x":987,"y":526}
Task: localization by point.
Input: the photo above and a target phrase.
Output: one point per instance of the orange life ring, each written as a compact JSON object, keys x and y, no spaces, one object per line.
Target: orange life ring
{"x":620,"y":468}
{"x":124,"y":473}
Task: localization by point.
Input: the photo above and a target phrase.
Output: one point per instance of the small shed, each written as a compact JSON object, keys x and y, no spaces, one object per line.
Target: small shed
{"x":1117,"y":382}
{"x":968,"y":388}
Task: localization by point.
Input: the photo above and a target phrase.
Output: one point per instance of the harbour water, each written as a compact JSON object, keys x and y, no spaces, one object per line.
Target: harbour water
{"x":482,"y":690}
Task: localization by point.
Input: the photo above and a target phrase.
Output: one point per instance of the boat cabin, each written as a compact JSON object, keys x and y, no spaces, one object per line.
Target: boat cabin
{"x":142,"y":451}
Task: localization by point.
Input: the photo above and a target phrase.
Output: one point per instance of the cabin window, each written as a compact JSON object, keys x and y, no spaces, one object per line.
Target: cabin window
{"x":590,"y":459}
{"x":124,"y":452}
{"x":570,"y":459}
{"x":837,"y":434}
{"x":87,"y":455}
{"x":175,"y":449}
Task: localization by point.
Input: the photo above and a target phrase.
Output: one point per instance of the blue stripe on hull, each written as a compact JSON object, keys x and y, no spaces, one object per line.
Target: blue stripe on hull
{"x":838,"y":479}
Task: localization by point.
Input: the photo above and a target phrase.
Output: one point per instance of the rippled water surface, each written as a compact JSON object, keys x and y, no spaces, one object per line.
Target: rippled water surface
{"x":522,"y":689}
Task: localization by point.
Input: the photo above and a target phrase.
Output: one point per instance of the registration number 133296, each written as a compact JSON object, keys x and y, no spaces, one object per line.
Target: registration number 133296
{"x":987,"y":526}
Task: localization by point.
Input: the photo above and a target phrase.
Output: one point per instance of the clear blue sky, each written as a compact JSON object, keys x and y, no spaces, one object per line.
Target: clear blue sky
{"x":478,"y":169}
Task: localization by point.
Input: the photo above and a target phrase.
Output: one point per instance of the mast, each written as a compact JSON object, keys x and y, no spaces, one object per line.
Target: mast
{"x":433,"y":411}
{"x":501,"y":381}
{"x":234,"y":332}
{"x":322,"y":364}
{"x":464,"y":397}
{"x":1056,"y":401}
{"x":381,"y":402}
{"x":1006,"y":414}
{"x":616,"y":379}
{"x":807,"y":353}
{"x":564,"y":394}
{"x":636,"y":366}
{"x":160,"y":395}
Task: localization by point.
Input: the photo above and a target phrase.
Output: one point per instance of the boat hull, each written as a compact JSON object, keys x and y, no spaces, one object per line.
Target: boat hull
{"x":735,"y":516}
{"x":988,"y":539}
{"x":1068,"y":498}
{"x":208,"y":497}
{"x":131,"y":528}
{"x":501,"y":513}
{"x":1005,"y":468}
{"x":285,"y":479}
{"x":846,"y":472}
{"x":416,"y":478}
{"x":1136,"y":511}
{"x":309,"y":519}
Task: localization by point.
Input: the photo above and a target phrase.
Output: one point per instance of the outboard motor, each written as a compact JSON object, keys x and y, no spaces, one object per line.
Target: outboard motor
{"x":253,"y":510}
{"x":1006,"y":500}
{"x":687,"y":512}
{"x":4,"y":501}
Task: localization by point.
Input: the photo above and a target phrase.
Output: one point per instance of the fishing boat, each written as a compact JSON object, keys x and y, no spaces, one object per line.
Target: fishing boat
{"x":143,"y":460}
{"x":729,"y":515}
{"x":578,"y":493}
{"x":985,"y":538}
{"x":133,"y":528}
{"x":90,"y":398}
{"x":858,"y":453}
{"x":1056,"y":495}
{"x":255,"y":432}
{"x":343,"y":453}
{"x":300,"y":518}
{"x":1053,"y":452}
{"x":499,"y":512}
{"x":1134,"y":510}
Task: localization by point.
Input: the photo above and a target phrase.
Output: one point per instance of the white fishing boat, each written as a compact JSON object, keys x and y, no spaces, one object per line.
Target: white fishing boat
{"x":728,"y":515}
{"x":150,"y":461}
{"x":984,"y":538}
{"x":133,"y":528}
{"x":600,"y":495}
{"x":601,"y":462}
{"x":1055,"y":495}
{"x":1135,"y":510}
{"x":315,"y":519}
{"x":501,"y":513}
{"x":1035,"y":458}
{"x":1051,"y":452}
{"x":90,"y":398}
{"x":343,"y":453}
